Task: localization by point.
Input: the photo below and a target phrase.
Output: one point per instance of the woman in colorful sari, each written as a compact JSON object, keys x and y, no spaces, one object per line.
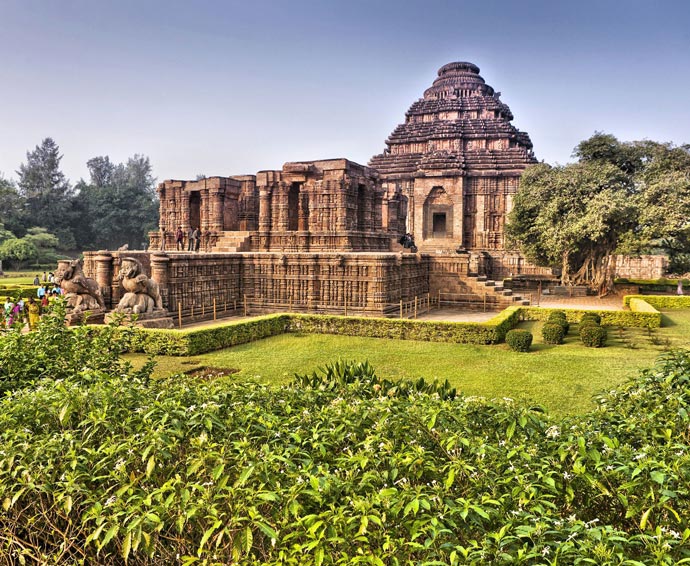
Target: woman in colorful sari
{"x":34,"y":313}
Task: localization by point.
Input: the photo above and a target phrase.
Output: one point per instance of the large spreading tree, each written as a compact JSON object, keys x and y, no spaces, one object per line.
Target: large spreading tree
{"x":629,"y":197}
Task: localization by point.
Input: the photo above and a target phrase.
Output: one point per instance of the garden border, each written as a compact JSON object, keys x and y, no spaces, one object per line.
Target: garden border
{"x":227,"y":334}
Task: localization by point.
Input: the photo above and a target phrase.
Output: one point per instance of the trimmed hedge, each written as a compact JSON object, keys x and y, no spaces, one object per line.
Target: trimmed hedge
{"x":489,"y":332}
{"x":663,"y":302}
{"x":15,"y":291}
{"x":626,"y":319}
{"x":593,"y":336}
{"x":558,"y":317}
{"x":223,"y":335}
{"x":552,"y":333}
{"x":591,"y":316}
{"x":201,"y":340}
{"x":519,"y":340}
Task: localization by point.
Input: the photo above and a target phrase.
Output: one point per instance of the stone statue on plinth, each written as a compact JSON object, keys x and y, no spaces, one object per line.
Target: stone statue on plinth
{"x":81,"y":292}
{"x":142,"y":296}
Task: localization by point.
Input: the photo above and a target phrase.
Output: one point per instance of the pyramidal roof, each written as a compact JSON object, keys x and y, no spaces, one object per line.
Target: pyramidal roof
{"x":459,"y":127}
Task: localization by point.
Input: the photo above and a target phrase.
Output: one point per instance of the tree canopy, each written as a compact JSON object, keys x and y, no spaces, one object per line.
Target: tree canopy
{"x":43,"y":213}
{"x":629,"y":197}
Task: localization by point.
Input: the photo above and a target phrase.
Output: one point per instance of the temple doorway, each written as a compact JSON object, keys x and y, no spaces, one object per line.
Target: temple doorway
{"x":195,"y":209}
{"x":439,"y":225}
{"x":438,"y":214}
{"x":293,"y":206}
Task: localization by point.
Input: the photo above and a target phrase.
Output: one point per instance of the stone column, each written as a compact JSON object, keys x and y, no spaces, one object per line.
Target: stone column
{"x":216,"y":220}
{"x":264,"y":209}
{"x":183,"y":199}
{"x":159,"y":273}
{"x":104,"y":276}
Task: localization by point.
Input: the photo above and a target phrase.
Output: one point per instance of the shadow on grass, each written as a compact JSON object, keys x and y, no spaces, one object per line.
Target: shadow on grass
{"x":666,"y":321}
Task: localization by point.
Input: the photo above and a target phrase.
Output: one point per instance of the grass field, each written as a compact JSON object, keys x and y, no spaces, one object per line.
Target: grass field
{"x":19,"y":277}
{"x":561,"y":378}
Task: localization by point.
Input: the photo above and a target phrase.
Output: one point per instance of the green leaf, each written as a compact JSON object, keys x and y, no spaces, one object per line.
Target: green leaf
{"x":643,"y":520}
{"x":127,"y":545}
{"x":657,"y":476}
{"x":150,"y":465}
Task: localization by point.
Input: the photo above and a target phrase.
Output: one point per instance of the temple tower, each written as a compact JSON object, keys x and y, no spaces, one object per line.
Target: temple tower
{"x":457,"y":159}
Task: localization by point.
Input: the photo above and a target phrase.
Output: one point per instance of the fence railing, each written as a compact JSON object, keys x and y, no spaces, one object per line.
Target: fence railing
{"x":213,"y":309}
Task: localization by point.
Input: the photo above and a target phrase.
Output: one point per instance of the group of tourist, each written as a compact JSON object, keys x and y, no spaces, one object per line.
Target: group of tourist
{"x":20,"y":313}
{"x":193,"y":239}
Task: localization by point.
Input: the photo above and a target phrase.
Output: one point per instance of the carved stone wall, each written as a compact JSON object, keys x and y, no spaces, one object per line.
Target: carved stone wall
{"x":364,"y":283}
{"x":641,"y":267}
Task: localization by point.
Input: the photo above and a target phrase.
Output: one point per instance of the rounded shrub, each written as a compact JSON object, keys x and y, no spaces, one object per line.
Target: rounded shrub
{"x":593,"y":336}
{"x":590,"y":316}
{"x":519,"y":340}
{"x":552,"y":333}
{"x":558,"y":317}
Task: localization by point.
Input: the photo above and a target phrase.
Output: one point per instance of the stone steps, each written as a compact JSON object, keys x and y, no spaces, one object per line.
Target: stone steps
{"x":232,"y":242}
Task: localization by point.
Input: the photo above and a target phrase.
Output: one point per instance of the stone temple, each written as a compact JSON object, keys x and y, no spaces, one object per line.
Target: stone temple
{"x":323,"y":236}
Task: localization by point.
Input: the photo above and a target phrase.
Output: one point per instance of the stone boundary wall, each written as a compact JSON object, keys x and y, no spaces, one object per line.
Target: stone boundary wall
{"x":363,"y":283}
{"x":640,"y":267}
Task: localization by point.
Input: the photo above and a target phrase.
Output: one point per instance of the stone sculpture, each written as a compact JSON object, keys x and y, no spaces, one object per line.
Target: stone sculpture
{"x":81,"y":292}
{"x":142,"y":295}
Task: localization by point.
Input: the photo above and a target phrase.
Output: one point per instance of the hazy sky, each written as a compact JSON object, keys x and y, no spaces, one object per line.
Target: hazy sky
{"x":229,"y":87}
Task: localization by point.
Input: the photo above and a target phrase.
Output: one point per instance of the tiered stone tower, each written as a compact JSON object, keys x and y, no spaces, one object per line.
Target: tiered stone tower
{"x":458,"y":160}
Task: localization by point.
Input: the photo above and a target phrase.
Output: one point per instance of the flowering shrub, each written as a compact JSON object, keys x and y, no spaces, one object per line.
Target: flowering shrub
{"x":107,"y":466}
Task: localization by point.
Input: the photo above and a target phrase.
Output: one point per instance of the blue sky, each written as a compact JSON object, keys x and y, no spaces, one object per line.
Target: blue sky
{"x":227,"y":87}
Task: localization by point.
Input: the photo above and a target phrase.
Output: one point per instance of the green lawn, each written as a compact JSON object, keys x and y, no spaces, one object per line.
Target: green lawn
{"x":561,"y":378}
{"x":19,"y":277}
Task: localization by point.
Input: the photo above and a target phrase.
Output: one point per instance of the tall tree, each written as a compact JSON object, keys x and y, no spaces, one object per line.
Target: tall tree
{"x":47,"y":193}
{"x":121,"y":202}
{"x":11,"y":207}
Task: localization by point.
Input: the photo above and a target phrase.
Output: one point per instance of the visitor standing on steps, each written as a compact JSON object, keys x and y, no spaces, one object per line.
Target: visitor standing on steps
{"x":179,"y":239}
{"x":679,"y":290}
{"x":197,"y":243}
{"x":190,"y":239}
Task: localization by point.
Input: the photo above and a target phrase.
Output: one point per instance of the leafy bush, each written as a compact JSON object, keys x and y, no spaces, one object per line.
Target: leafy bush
{"x":552,"y":333}
{"x":361,"y":377}
{"x":593,"y":336}
{"x":519,"y":340}
{"x":558,"y":317}
{"x":591,"y":316}
{"x":56,"y":352}
{"x":116,"y":468}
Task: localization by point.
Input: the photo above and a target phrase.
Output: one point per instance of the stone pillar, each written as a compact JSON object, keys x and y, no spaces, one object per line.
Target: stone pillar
{"x":216,"y":220}
{"x":104,"y":276}
{"x":183,"y":199}
{"x":264,"y":209}
{"x":303,"y":212}
{"x":159,"y":273}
